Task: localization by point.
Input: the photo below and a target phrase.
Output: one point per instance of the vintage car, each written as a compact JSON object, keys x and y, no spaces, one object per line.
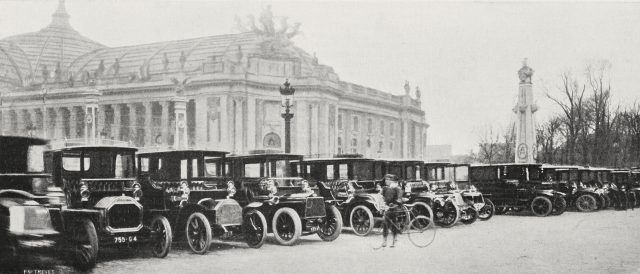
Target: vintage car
{"x":409,"y":174}
{"x":268,"y":182}
{"x":621,"y":186}
{"x":190,"y":189}
{"x":102,"y":202}
{"x":516,"y":186}
{"x":459,"y":175}
{"x":566,"y":179}
{"x":635,"y":184}
{"x":25,"y":221}
{"x":435,"y":192}
{"x":596,"y":179}
{"x":356,"y":183}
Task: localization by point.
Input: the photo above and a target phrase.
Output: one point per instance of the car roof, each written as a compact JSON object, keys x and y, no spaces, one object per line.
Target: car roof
{"x":182,"y":152}
{"x":21,"y":140}
{"x":504,"y":164}
{"x":266,"y":156}
{"x":397,"y":160}
{"x":337,"y":160}
{"x":96,"y":148}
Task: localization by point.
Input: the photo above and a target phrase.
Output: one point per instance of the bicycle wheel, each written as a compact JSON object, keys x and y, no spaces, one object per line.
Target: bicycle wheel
{"x":419,"y":234}
{"x":374,"y":238}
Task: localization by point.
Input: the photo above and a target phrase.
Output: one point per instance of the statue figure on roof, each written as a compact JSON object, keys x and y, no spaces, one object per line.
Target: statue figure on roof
{"x":418,"y":93}
{"x":71,"y":81}
{"x":45,"y":74}
{"x":183,"y":60}
{"x":116,"y":67}
{"x":525,"y":73}
{"x":58,"y":72}
{"x":165,"y":62}
{"x":180,"y":85}
{"x":407,"y":88}
{"x":315,"y":59}
{"x":266,"y":18}
{"x":100,"y":69}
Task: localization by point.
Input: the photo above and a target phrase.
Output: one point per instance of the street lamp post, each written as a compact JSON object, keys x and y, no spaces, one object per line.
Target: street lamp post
{"x":287,"y":102}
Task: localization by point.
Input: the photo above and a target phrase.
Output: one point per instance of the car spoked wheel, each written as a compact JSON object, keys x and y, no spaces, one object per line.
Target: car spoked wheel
{"x":162,"y":236}
{"x":450,"y":214}
{"x":361,"y":220}
{"x":287,"y":226}
{"x":85,"y":244}
{"x":255,"y":228}
{"x":198,"y":233}
{"x":422,"y":209}
{"x":586,"y":203}
{"x":541,"y":206}
{"x":331,"y":227}
{"x":487,"y":211}
{"x":420,"y":235}
{"x":559,"y":206}
{"x":470,"y":216}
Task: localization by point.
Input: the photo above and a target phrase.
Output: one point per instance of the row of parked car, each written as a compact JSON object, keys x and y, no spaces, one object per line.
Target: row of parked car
{"x":76,"y":200}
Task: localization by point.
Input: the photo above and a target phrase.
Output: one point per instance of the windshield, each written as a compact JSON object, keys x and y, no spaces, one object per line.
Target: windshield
{"x":462,"y":173}
{"x":213,"y":166}
{"x":100,"y":164}
{"x":363,"y":170}
{"x":435,"y":173}
{"x":514,"y":173}
{"x":535,"y":173}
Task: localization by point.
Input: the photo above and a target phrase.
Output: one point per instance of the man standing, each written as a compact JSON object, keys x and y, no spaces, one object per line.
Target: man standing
{"x":393,"y":198}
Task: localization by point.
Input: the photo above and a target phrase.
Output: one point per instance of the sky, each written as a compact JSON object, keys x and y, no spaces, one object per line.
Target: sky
{"x":464,"y":56}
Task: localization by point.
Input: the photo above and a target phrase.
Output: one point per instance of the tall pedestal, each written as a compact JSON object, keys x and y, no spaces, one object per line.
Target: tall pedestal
{"x":525,"y":145}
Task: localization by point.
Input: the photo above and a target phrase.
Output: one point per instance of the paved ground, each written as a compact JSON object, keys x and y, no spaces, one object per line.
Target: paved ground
{"x":599,"y":242}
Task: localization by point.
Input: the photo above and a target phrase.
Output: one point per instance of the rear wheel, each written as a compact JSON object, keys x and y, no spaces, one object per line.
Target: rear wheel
{"x":85,"y":244}
{"x":487,"y":211}
{"x":198,"y":232}
{"x":541,"y":206}
{"x":361,"y":220}
{"x":162,"y":236}
{"x":287,"y":226}
{"x":255,"y":228}
{"x":586,"y":203}
{"x":559,"y":206}
{"x":330,"y":229}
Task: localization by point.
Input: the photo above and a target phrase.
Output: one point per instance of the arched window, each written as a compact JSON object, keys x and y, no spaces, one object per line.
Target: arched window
{"x":340,"y":151}
{"x":391,"y":146}
{"x":356,"y":123}
{"x":354,"y":145}
{"x":271,"y":140}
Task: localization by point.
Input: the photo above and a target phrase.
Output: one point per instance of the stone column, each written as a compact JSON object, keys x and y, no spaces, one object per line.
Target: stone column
{"x":133,"y":124}
{"x":101,"y":122}
{"x":224,"y":123}
{"x":73,"y":120}
{"x":180,"y":109}
{"x":166,"y":124}
{"x":324,"y":147}
{"x":201,"y":120}
{"x":148,"y":125}
{"x":117,"y":121}
{"x":251,"y":124}
{"x":58,"y":129}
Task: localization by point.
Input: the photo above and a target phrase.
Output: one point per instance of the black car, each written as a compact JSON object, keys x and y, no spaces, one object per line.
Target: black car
{"x":575,"y":181}
{"x":459,"y":174}
{"x":102,"y":202}
{"x":190,"y":189}
{"x":268,"y":182}
{"x":516,"y":187}
{"x":25,"y":221}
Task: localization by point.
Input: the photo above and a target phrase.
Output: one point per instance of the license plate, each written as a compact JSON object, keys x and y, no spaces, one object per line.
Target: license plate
{"x":125,"y":239}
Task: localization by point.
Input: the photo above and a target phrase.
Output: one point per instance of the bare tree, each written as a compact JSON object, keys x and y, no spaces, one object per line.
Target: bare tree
{"x":572,"y":104}
{"x":489,"y":147}
{"x":549,"y":140}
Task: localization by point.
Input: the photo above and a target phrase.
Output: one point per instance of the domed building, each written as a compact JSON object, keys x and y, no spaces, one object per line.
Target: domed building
{"x":218,"y":92}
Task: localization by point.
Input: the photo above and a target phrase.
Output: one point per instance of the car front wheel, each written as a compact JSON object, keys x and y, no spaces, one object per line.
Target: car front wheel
{"x":198,"y":232}
{"x":586,"y":203}
{"x":449,"y":215}
{"x":162,"y":236}
{"x":541,"y":206}
{"x":255,"y":228}
{"x":361,"y":220}
{"x":85,"y":244}
{"x":287,"y":226}
{"x":487,"y":211}
{"x":470,"y":216}
{"x":330,"y":229}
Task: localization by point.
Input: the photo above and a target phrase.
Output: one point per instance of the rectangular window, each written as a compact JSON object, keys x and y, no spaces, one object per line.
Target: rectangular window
{"x":356,"y":123}
{"x":73,"y":163}
{"x":462,"y":173}
{"x":344,"y":171}
{"x":330,"y":174}
{"x":252,"y":170}
{"x":183,"y":169}
{"x":212,"y":166}
{"x":194,"y":168}
{"x":35,"y":159}
{"x":144,"y":164}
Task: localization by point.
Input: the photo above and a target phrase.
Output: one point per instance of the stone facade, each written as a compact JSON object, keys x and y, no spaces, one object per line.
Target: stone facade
{"x":218,"y":92}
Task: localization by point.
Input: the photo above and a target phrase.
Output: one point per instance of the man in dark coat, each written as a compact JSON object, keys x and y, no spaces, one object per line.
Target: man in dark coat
{"x":393,"y":198}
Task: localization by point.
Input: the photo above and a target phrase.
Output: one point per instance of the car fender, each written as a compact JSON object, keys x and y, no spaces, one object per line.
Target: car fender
{"x":254,"y":205}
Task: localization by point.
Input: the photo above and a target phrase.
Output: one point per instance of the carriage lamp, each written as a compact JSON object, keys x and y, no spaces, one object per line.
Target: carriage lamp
{"x":84,"y":192}
{"x":231,"y":189}
{"x":137,"y":191}
{"x":473,"y":188}
{"x":407,"y":188}
{"x":434,"y":187}
{"x":452,"y":185}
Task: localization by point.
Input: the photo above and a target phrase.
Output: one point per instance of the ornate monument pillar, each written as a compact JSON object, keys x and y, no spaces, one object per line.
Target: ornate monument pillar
{"x":525,"y":149}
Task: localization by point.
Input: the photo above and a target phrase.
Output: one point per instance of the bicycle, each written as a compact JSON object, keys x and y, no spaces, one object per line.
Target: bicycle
{"x":420,"y":229}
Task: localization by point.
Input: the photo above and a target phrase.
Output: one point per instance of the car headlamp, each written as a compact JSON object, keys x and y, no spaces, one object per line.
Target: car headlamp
{"x":231,"y":189}
{"x":84,"y":192}
{"x":434,"y":187}
{"x":452,"y":185}
{"x":184,"y":187}
{"x":407,"y":188}
{"x":137,"y":191}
